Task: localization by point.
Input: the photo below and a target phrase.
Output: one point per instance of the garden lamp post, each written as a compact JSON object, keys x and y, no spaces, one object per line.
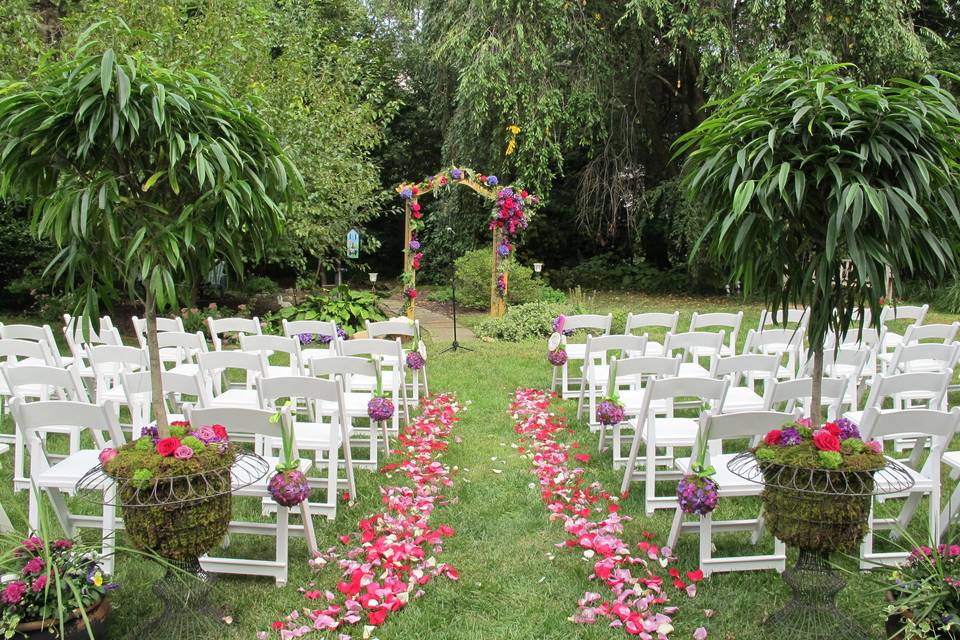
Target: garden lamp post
{"x":373,"y":280}
{"x":538,"y":268}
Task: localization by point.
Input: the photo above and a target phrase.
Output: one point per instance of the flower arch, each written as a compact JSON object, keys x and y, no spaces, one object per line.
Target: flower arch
{"x":509,"y":217}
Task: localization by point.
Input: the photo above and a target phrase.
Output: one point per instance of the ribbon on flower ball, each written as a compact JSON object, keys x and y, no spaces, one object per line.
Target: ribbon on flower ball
{"x":698,"y":492}
{"x":289,"y":486}
{"x":610,"y":411}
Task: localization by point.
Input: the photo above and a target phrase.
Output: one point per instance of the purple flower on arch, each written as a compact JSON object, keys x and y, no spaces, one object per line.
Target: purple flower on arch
{"x":492,"y":181}
{"x":456,"y":174}
{"x":407,"y":193}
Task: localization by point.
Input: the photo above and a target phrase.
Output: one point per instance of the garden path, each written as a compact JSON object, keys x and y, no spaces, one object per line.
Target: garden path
{"x":438,"y":325}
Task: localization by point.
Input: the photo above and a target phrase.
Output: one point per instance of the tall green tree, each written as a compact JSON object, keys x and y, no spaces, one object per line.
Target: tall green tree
{"x":142,"y":175}
{"x":806,"y":167}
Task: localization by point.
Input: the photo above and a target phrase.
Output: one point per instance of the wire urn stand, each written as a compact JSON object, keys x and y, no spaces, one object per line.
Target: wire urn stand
{"x":178,"y":519}
{"x":819,"y":511}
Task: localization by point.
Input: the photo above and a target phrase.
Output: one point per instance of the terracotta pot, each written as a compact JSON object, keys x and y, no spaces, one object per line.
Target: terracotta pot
{"x":74,"y":629}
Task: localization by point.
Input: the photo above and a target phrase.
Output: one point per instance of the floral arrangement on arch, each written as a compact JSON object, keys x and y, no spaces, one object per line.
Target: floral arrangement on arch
{"x":509,"y":216}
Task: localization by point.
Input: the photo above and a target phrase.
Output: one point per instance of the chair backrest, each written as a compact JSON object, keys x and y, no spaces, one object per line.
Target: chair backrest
{"x":931,"y":384}
{"x":925,"y":354}
{"x":370,"y":346}
{"x":647,"y":366}
{"x":589,"y":321}
{"x":773,"y":339}
{"x":798,"y":317}
{"x":735,"y":367}
{"x":684,"y":342}
{"x":139,"y":383}
{"x":942,"y":333}
{"x":64,"y":384}
{"x":851,"y":357}
{"x":34,"y":417}
{"x":305,"y":387}
{"x":265,"y":344}
{"x":599,"y":346}
{"x":866,"y":337}
{"x":390,"y":328}
{"x":187,"y":343}
{"x":12,"y":351}
{"x":163,"y":325}
{"x":102,"y":333}
{"x":342,"y":368}
{"x":293,"y":328}
{"x":748,"y":424}
{"x":885,"y":424}
{"x":907,"y":312}
{"x":708,"y":320}
{"x":218,"y":361}
{"x":777,"y":392}
{"x":706,"y":389}
{"x":643,"y":320}
{"x":130,"y":358}
{"x":239,"y":421}
{"x":218,"y":326}
{"x":33,"y":333}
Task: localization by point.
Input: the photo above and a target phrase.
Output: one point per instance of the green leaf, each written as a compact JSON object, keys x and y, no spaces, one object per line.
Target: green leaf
{"x":742,"y":197}
{"x":106,"y":71}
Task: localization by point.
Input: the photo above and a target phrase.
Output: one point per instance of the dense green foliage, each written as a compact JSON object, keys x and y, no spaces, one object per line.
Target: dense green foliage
{"x":473,"y":281}
{"x":521,"y":322}
{"x":349,"y":309}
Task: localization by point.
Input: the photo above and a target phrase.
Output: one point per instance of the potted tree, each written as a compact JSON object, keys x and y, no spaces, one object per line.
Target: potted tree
{"x":806,"y":168}
{"x":144,"y":177}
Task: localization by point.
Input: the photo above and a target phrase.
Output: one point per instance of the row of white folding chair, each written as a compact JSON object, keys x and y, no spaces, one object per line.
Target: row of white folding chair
{"x":576,"y":350}
{"x":727,"y":324}
{"x":786,"y":344}
{"x":410,"y":330}
{"x":38,"y":334}
{"x":928,"y":334}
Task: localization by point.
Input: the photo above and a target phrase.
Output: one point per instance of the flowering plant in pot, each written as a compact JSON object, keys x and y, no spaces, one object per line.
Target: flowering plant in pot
{"x":52,"y":588}
{"x":923,"y":595}
{"x":818,"y":483}
{"x":175,"y":492}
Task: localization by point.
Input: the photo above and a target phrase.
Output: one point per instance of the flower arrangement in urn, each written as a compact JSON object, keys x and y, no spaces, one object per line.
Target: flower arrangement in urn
{"x":830,"y":471}
{"x":155,"y":474}
{"x":51,"y":588}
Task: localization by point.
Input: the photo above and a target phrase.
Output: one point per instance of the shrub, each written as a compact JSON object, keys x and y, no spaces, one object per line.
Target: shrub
{"x":259,"y":285}
{"x":612,"y":271}
{"x":194,"y":318}
{"x":552,"y":296}
{"x":440,"y":294}
{"x":532,"y":320}
{"x":473,"y":281}
{"x":349,"y":308}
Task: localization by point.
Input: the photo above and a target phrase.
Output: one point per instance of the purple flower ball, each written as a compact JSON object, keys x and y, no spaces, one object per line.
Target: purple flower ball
{"x":697,"y":495}
{"x":557,"y":358}
{"x":289,"y":488}
{"x":492,"y":181}
{"x":503,"y":250}
{"x":610,"y":412}
{"x":380,"y":408}
{"x":415,"y":361}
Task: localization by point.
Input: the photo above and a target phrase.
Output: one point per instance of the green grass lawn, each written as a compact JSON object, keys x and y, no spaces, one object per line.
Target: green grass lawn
{"x":509,"y":587}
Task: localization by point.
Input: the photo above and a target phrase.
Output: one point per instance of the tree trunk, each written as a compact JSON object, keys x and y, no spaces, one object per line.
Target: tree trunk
{"x":817,"y":391}
{"x":156,"y":368}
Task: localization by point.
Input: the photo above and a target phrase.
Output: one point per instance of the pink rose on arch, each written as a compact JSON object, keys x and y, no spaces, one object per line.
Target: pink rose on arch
{"x":183,"y":452}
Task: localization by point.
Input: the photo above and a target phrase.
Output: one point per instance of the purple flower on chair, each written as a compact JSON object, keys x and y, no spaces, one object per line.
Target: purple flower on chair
{"x":697,"y":495}
{"x":610,"y":412}
{"x":415,"y":361}
{"x":305,"y":338}
{"x":380,"y":408}
{"x":557,"y":358}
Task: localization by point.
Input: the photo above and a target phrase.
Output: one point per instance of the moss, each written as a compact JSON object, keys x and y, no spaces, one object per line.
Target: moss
{"x":806,"y":456}
{"x":188,"y":502}
{"x":830,"y":459}
{"x":143,"y":444}
{"x":177,"y":431}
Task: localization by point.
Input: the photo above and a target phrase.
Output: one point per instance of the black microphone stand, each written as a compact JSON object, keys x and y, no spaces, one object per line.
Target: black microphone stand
{"x":456,"y":346}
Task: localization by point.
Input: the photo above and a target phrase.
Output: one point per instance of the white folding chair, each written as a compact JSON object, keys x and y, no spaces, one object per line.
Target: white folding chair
{"x":576,"y":350}
{"x":320,"y":334}
{"x":926,"y":386}
{"x":729,"y":322}
{"x":219,"y":328}
{"x":924,"y":356}
{"x":404,"y":329}
{"x":325,"y":439}
{"x":386,"y":353}
{"x":39,"y":382}
{"x":716,"y":428}
{"x":783,"y":318}
{"x":743,"y":372}
{"x":666,"y":433}
{"x":847,"y":362}
{"x":892,"y":339}
{"x":630,"y":378}
{"x":865,"y":338}
{"x":108,"y":362}
{"x":940,"y":427}
{"x":164,"y":325}
{"x":786,"y":394}
{"x":596,"y":369}
{"x":251,"y":425}
{"x":79,"y":336}
{"x":20,"y":353}
{"x":182,"y":349}
{"x":344,"y":370}
{"x":666,"y":321}
{"x":216,"y":367}
{"x":60,"y":478}
{"x":786,"y":344}
{"x":177,"y":389}
{"x":692,"y":346}
{"x":940,"y":334}
{"x":34,"y":333}
{"x":276,"y":344}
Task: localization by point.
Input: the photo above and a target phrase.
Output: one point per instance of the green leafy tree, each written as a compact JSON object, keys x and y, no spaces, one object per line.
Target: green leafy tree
{"x":143,"y":177}
{"x":806,"y":167}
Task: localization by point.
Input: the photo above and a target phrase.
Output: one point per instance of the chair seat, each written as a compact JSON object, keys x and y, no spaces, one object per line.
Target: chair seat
{"x":706,"y":352}
{"x":355,"y":404}
{"x":245,"y":398}
{"x":313,"y":434}
{"x":632,"y":400}
{"x":950,"y":458}
{"x":742,"y":399}
{"x":730,"y":484}
{"x":576,"y":351}
{"x":316,"y":352}
{"x":280,"y":370}
{"x":599,"y":375}
{"x":65,"y":474}
{"x":693,"y":370}
{"x":921,"y":483}
{"x":29,"y":390}
{"x":187,"y":369}
{"x":675,"y":432}
{"x":113,"y":394}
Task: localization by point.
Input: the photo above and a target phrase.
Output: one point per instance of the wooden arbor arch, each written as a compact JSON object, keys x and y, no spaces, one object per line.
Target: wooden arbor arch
{"x":503,"y":227}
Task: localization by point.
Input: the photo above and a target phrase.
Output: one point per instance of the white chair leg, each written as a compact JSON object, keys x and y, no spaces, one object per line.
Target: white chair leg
{"x":706,"y":543}
{"x":950,"y":510}
{"x":426,"y":387}
{"x":283,"y":535}
{"x":308,"y":530}
{"x":333,"y":467}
